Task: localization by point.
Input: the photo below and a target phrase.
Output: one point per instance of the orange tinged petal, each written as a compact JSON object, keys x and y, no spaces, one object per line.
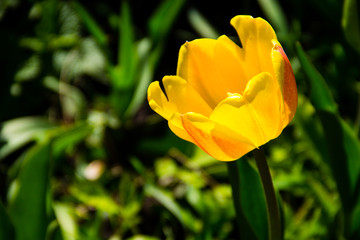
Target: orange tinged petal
{"x":171,"y":105}
{"x":217,"y":140}
{"x":286,"y":79}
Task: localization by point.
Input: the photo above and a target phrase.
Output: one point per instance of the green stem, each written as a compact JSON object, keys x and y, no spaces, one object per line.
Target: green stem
{"x":271,"y":202}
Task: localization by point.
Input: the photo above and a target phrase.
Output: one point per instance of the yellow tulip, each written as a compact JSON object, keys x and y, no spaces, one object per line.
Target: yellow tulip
{"x":226,"y":99}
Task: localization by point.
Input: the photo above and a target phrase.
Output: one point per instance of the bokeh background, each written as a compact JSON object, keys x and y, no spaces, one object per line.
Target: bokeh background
{"x":82,"y":156}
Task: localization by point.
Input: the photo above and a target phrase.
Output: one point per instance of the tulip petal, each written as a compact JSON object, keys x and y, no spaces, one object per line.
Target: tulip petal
{"x":286,"y":80}
{"x":257,"y":114}
{"x":180,"y":98}
{"x":184,"y":97}
{"x":216,"y":140}
{"x":158,"y":101}
{"x":227,"y":57}
{"x":196,"y":64}
{"x":176,"y":126}
{"x":256,"y":37}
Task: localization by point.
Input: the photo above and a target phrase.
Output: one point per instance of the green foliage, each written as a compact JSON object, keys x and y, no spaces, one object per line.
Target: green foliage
{"x":351,"y":23}
{"x":83,"y":157}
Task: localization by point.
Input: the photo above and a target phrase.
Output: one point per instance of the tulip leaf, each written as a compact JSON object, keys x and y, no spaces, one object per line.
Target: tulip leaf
{"x":320,"y":93}
{"x":249,"y":200}
{"x":351,"y":22}
{"x":344,"y":155}
{"x":27,"y":205}
{"x":355,"y":220}
{"x":6,"y":227}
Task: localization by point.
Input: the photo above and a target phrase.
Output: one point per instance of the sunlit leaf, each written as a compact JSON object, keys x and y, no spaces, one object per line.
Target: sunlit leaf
{"x":95,"y":196}
{"x":66,"y":218}
{"x":20,"y":131}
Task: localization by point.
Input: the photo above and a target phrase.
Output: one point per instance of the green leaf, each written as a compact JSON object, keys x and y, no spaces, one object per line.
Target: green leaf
{"x":167,"y":200}
{"x":355,"y":222}
{"x":90,"y":23}
{"x":310,"y":127}
{"x":344,"y":149}
{"x":351,"y":22}
{"x":6,"y":227}
{"x":126,"y":54}
{"x":320,"y":94}
{"x":146,"y":73}
{"x":163,"y":18}
{"x":68,"y":137}
{"x":249,"y":200}
{"x":201,"y":25}
{"x":27,"y":204}
{"x":273,"y":11}
{"x":95,"y":195}
{"x":65,"y":216}
{"x":20,"y":131}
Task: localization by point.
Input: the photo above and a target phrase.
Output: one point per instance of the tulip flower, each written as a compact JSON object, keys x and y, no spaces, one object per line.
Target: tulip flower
{"x":229,"y":99}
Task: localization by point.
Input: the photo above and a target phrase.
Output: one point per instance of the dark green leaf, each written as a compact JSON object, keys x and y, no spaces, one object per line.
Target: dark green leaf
{"x":90,"y":23}
{"x":344,"y":149}
{"x":351,"y":22}
{"x":6,"y":227}
{"x":320,"y":93}
{"x":27,"y":207}
{"x":164,"y":17}
{"x":249,"y":200}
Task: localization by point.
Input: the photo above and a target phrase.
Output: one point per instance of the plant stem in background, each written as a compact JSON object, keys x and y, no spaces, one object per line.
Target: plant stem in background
{"x":271,"y":202}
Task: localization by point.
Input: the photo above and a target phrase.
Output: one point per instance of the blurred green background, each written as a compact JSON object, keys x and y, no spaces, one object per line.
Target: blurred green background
{"x":82,"y":156}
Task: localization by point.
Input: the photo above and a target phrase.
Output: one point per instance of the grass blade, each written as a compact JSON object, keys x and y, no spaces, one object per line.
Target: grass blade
{"x":90,"y":23}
